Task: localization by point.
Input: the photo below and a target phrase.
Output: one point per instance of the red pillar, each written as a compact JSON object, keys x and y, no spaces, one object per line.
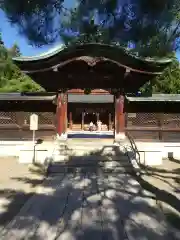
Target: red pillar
{"x":61,"y":114}
{"x":119,"y":117}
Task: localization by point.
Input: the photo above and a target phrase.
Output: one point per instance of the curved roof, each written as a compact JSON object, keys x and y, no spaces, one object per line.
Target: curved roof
{"x":59,"y":48}
{"x":62,"y":54}
{"x":91,"y":65}
{"x":52,"y":51}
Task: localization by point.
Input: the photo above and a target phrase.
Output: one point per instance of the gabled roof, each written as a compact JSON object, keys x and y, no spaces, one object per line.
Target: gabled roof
{"x":59,"y":48}
{"x":92,"y":65}
{"x":62,"y":54}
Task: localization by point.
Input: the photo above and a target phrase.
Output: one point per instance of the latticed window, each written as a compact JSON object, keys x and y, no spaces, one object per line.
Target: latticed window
{"x":142,"y":119}
{"x":45,"y":118}
{"x":8,"y":118}
{"x":171,"y":120}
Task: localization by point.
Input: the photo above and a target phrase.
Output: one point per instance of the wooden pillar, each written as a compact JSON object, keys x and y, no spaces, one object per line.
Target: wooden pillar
{"x":110,"y":122}
{"x":97,"y":116}
{"x":82,"y":121}
{"x":61,"y":114}
{"x":70,"y":120}
{"x":119,"y":117}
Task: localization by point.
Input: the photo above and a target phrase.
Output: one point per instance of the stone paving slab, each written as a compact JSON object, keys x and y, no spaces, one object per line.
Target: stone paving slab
{"x":89,"y":205}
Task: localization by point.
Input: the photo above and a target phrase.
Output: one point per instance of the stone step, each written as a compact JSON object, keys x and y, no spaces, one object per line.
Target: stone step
{"x":73,"y":169}
{"x":89,"y":148}
{"x":86,"y":153}
{"x":80,"y":162}
{"x":105,"y":158}
{"x":108,"y":166}
{"x":85,"y":142}
{"x":84,"y":146}
{"x":64,"y":152}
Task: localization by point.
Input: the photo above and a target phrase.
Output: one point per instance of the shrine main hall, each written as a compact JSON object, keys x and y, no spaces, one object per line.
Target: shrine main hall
{"x":89,"y":83}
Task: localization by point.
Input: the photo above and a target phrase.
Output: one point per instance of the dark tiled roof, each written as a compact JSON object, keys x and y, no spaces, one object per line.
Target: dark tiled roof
{"x":156,"y":98}
{"x":24,"y":97}
{"x":91,"y":53}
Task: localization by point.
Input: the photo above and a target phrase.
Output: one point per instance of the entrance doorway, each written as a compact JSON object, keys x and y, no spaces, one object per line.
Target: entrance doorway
{"x":81,"y":114}
{"x":90,"y":117}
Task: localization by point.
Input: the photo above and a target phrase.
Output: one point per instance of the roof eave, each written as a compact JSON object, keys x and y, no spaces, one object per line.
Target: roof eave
{"x":149,"y":60}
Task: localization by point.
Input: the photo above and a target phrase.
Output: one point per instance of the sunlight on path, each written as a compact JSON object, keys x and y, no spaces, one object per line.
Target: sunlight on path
{"x":89,"y":205}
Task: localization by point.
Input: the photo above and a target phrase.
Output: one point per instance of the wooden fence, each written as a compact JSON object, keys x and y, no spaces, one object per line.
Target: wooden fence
{"x":154,"y":126}
{"x":141,"y":126}
{"x":15,"y":125}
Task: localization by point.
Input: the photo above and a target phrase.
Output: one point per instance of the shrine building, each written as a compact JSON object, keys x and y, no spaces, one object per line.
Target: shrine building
{"x":89,"y":83}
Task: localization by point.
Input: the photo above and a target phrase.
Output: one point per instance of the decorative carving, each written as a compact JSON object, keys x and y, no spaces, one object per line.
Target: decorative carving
{"x":91,"y":61}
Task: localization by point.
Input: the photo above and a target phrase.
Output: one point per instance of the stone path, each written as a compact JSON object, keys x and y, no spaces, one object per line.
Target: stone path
{"x":89,"y":204}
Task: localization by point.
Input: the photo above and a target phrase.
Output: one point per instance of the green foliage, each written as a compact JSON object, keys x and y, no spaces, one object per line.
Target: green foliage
{"x":151,"y":27}
{"x":35,"y":19}
{"x":14,"y":51}
{"x":11,"y":78}
{"x":168,"y":82}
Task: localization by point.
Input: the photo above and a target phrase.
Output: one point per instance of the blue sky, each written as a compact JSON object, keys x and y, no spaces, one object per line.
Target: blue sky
{"x":10,"y":36}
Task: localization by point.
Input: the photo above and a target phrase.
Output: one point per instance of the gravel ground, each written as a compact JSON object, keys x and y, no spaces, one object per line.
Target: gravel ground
{"x":164,"y":182}
{"x":17,"y":185}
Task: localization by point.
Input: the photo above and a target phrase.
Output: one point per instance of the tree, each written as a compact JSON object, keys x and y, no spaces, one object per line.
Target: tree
{"x":151,"y":28}
{"x":14,"y":51}
{"x":11,"y":78}
{"x":148,"y":28}
{"x":35,"y":19}
{"x":168,"y":82}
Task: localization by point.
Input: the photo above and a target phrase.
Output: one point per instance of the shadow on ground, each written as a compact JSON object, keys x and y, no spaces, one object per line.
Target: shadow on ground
{"x":169,"y":178}
{"x":93,"y":200}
